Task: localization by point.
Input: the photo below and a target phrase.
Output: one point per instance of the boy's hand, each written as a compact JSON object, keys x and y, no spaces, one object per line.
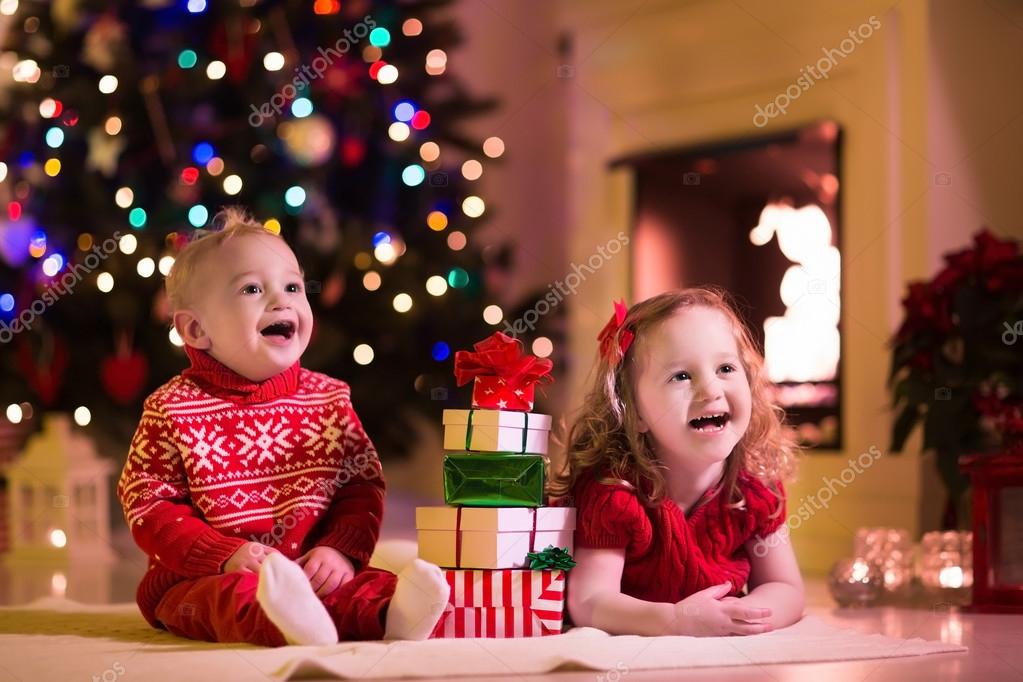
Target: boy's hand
{"x":249,"y":557}
{"x":326,"y":568}
{"x":710,"y":613}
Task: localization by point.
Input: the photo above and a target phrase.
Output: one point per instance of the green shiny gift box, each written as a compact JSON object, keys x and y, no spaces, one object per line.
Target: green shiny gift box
{"x":491,"y":480}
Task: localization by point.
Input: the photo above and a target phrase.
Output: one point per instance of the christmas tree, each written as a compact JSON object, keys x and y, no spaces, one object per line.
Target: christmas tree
{"x":124,"y":126}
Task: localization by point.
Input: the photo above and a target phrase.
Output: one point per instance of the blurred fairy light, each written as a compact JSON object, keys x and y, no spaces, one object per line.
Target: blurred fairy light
{"x":436,"y":220}
{"x":165,"y":265}
{"x":363,"y":354}
{"x":175,"y":338}
{"x":371,"y":281}
{"x":542,"y":347}
{"x":429,"y":152}
{"x":127,"y":244}
{"x":146,"y":267}
{"x":398,"y":131}
{"x":26,"y":71}
{"x":402,"y":303}
{"x":473,"y":206}
{"x":14,"y":413}
{"x":105,"y":282}
{"x":411,"y":27}
{"x":232,"y":184}
{"x":82,"y":415}
{"x":273,"y":61}
{"x":457,"y":240}
{"x":107,"y":84}
{"x":385,"y":253}
{"x":216,"y":70}
{"x":472,"y":169}
{"x":436,"y":62}
{"x":493,"y":147}
{"x":493,"y":314}
{"x":436,"y":285}
{"x":387,"y":74}
{"x":112,"y":126}
{"x":58,"y":538}
{"x":10,"y":7}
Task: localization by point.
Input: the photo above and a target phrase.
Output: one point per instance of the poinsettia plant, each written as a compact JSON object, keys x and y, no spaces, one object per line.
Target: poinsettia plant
{"x":957,"y":358}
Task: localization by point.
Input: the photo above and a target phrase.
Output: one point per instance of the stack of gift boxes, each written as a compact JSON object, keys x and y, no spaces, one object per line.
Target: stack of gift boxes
{"x":505,"y":554}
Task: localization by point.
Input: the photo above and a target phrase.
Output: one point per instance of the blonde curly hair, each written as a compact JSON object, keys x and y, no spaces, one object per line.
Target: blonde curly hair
{"x":605,"y":437}
{"x":229,"y":223}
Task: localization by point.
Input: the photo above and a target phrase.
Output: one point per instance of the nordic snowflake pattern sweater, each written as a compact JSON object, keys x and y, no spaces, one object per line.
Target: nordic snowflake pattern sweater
{"x":218,"y":461}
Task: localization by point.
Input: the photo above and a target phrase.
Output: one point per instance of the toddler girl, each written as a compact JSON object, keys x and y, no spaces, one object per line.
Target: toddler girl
{"x":675,"y":466}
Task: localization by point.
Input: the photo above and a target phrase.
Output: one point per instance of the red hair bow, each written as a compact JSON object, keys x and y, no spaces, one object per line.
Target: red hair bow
{"x":612,"y":331}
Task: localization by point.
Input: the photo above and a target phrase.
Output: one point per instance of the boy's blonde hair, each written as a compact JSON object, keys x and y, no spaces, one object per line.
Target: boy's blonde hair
{"x":228,"y":223}
{"x":605,"y":437}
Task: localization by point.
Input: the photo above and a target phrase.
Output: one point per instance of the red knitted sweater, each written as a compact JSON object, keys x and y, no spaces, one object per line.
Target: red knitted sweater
{"x":218,"y":460}
{"x":669,"y":556}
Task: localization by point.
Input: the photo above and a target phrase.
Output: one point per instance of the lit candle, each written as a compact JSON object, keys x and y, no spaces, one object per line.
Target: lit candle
{"x":951,"y":576}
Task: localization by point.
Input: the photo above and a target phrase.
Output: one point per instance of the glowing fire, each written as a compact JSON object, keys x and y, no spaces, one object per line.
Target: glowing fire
{"x":802,"y":345}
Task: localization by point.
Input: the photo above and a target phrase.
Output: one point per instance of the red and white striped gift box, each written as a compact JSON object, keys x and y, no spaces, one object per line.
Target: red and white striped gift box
{"x":504,"y":603}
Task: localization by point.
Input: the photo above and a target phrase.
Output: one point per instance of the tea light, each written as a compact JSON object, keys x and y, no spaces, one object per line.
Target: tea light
{"x":892,"y":550}
{"x":946,"y":564}
{"x":855,"y":582}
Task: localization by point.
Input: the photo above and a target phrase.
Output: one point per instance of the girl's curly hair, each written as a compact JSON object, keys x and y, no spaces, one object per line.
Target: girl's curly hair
{"x":605,"y":437}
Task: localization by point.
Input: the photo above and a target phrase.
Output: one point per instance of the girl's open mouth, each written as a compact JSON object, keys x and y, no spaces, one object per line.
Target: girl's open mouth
{"x":711,"y":423}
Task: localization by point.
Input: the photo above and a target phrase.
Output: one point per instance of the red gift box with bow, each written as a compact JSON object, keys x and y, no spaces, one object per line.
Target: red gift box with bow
{"x":504,"y":376}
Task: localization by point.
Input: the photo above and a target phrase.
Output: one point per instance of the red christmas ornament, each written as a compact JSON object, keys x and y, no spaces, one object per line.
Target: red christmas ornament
{"x":353,"y":151}
{"x":44,"y":375}
{"x":123,"y":375}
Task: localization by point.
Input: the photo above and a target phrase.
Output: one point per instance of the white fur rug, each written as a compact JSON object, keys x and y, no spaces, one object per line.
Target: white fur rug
{"x":59,"y":639}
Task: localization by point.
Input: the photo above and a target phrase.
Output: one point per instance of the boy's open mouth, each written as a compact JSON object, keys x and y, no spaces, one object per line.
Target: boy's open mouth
{"x":711,"y":422}
{"x":283,"y":330}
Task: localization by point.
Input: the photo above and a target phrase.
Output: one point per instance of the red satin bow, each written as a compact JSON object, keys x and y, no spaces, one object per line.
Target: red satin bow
{"x":500,"y":355}
{"x":610,"y":332}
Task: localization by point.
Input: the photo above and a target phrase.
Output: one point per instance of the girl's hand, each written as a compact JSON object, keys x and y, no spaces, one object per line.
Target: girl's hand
{"x":249,"y":557}
{"x":709,"y":613}
{"x":326,"y":568}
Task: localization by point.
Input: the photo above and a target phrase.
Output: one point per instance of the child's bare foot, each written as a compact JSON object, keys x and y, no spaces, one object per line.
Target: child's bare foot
{"x":289,"y":601}
{"x":418,"y":602}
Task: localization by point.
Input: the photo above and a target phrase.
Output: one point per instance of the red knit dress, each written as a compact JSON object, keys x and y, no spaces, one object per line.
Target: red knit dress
{"x":217,"y":461}
{"x":669,"y":556}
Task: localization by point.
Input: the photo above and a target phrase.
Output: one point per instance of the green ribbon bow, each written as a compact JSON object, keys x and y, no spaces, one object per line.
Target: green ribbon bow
{"x":551,"y":559}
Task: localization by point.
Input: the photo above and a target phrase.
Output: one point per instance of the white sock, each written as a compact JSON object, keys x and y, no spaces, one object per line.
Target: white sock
{"x":288,"y":599}
{"x":418,"y":603}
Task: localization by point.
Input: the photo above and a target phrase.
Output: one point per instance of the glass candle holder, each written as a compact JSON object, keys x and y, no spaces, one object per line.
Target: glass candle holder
{"x":946,"y":564}
{"x":855,"y":582}
{"x":891,"y":550}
